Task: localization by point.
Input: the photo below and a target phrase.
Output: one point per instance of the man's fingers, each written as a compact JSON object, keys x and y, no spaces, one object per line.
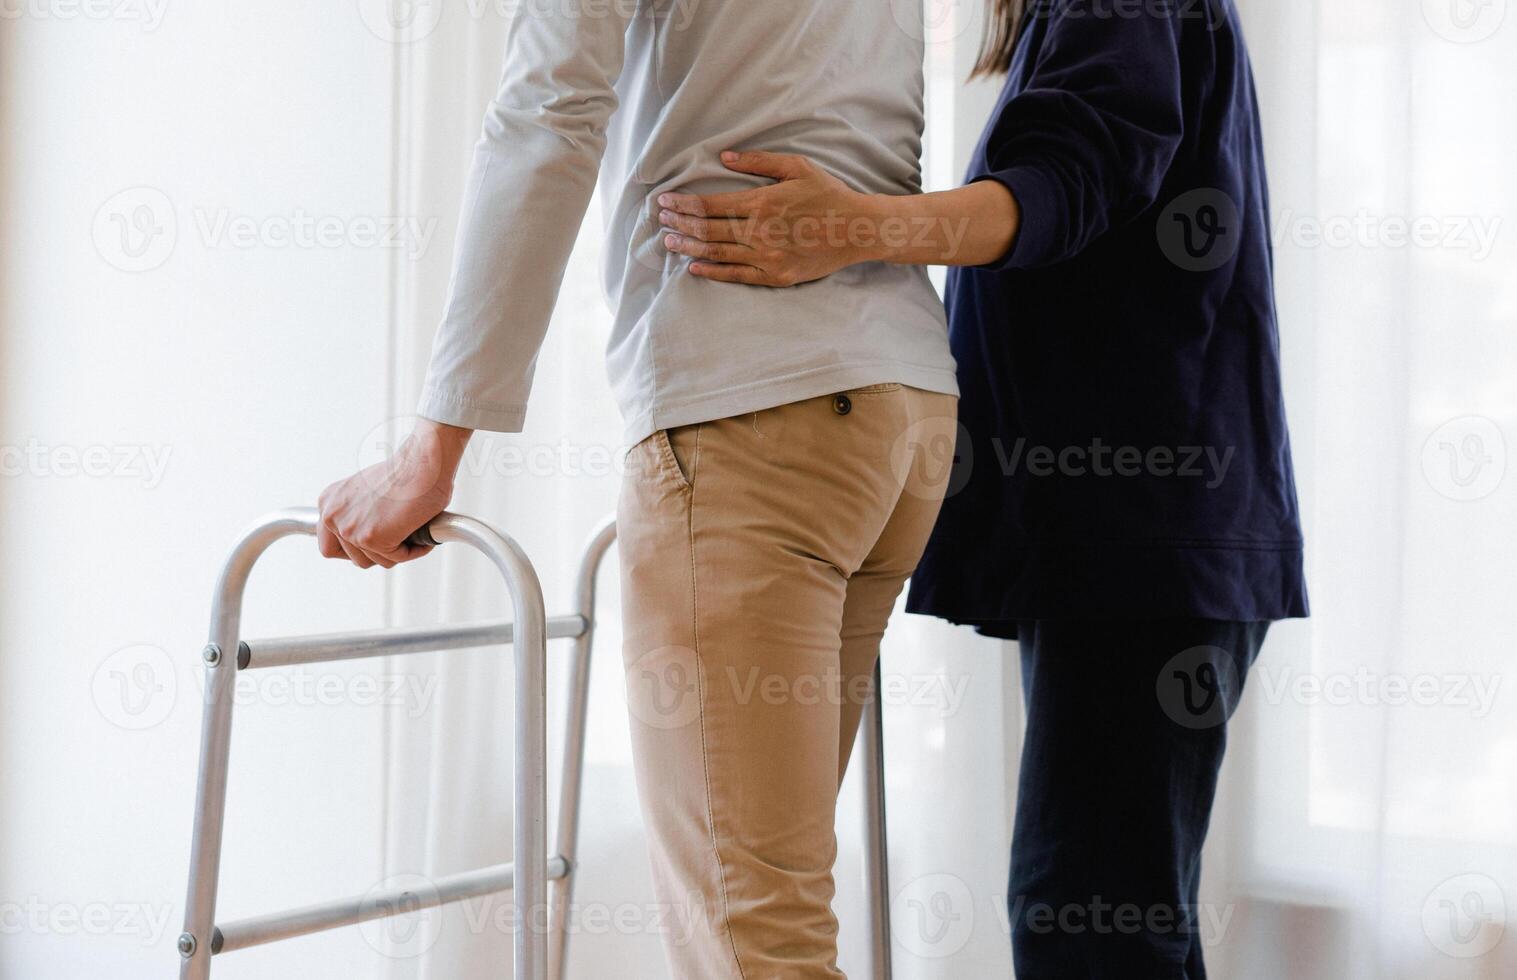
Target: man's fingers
{"x":413,"y":551}
{"x":781,"y":166}
{"x":705,"y":229}
{"x":355,"y":554}
{"x":376,"y":557}
{"x":713,"y":251}
{"x":746,"y":274}
{"x":327,"y":542}
{"x":738,"y":204}
{"x":406,"y":552}
{"x":332,"y":546}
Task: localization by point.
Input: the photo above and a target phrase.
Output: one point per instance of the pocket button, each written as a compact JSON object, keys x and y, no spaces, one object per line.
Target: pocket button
{"x":842,"y":404}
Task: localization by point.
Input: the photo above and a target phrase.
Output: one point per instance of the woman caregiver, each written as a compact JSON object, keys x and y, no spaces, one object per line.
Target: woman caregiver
{"x":1123,"y":503}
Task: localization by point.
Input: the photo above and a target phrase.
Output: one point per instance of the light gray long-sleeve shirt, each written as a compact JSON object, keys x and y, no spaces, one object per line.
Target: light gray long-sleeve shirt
{"x":659,"y":88}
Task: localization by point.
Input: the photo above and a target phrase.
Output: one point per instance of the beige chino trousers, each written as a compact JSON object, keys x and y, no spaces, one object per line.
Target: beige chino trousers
{"x":761,"y":558}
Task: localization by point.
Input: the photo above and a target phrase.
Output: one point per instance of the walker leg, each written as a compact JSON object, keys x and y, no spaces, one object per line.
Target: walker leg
{"x":529,"y":810}
{"x":561,"y":890}
{"x":876,"y":858}
{"x":195,"y":943}
{"x":221,"y":655}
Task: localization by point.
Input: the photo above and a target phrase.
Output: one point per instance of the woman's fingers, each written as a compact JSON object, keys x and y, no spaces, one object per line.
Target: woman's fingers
{"x":741,"y":204}
{"x":738,"y":204}
{"x":746,"y":274}
{"x":781,"y":166}
{"x":705,"y":229}
{"x":712,"y":251}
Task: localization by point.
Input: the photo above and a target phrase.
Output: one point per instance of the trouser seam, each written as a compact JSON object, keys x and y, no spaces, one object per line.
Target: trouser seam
{"x":700,"y":677}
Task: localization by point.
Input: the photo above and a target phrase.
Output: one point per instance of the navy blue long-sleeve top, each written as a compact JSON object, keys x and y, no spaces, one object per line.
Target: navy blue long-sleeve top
{"x":1123,"y":450}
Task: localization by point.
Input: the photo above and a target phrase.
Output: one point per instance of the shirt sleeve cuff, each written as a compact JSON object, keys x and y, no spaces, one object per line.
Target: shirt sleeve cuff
{"x":451,"y":408}
{"x":1037,"y":199}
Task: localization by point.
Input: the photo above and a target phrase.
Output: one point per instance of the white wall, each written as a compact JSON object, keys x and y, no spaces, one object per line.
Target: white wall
{"x":254,"y":371}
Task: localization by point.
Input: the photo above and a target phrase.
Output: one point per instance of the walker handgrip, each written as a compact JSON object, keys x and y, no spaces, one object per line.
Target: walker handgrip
{"x":422,"y":537}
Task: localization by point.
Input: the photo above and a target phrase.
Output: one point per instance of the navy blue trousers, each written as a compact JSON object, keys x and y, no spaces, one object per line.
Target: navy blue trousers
{"x":1126,"y":728}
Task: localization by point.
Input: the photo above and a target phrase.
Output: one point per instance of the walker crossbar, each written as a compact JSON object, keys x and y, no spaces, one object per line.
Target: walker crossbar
{"x":363,"y":908}
{"x":289,"y":651}
{"x":537,"y":881}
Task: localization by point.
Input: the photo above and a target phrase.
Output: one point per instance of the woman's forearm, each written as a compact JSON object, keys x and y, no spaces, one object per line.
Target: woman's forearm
{"x":971,"y":225}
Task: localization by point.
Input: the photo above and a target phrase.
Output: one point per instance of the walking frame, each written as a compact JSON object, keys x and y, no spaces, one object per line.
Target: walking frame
{"x":541,"y":881}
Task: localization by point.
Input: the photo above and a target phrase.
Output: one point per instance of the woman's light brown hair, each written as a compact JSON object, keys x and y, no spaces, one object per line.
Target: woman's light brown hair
{"x":1002,"y":18}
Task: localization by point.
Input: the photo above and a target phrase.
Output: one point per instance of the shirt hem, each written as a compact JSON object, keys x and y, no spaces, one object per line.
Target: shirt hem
{"x":772,"y":392}
{"x":998,"y":583}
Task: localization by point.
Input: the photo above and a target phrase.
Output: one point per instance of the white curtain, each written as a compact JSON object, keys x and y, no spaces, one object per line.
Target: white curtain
{"x":449,"y":784}
{"x":1370,"y":811}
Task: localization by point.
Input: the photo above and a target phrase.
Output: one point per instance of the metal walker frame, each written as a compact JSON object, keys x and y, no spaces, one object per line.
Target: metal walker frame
{"x":539,"y":879}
